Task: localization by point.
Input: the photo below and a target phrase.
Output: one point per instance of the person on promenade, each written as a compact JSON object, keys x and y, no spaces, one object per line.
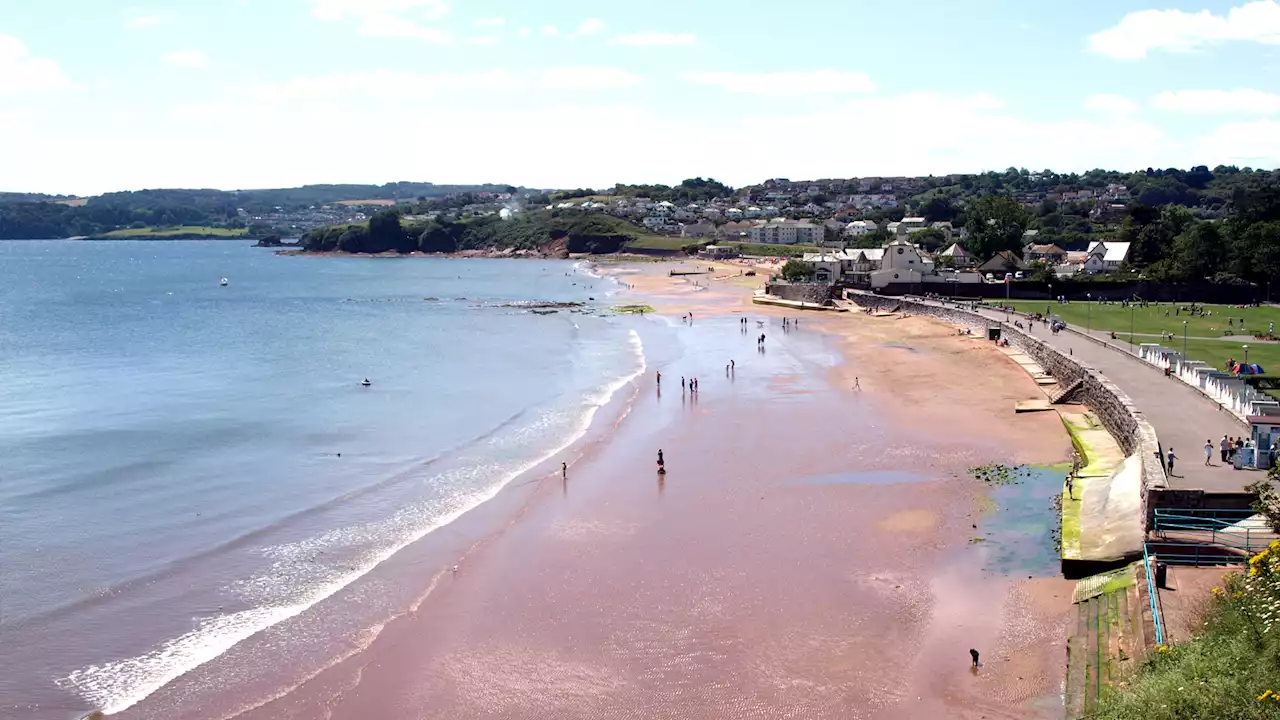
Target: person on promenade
{"x":1208,"y":452}
{"x":1169,"y":462}
{"x":1071,"y":486}
{"x":1225,"y":448}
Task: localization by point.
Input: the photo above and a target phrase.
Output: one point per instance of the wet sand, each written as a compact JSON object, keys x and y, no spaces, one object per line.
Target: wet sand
{"x":807,"y":555}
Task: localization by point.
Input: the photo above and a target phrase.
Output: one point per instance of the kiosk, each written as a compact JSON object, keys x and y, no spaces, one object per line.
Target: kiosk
{"x":1263,"y":431}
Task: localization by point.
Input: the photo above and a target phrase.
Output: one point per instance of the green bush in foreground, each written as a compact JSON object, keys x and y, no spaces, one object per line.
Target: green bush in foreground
{"x":1230,"y":670}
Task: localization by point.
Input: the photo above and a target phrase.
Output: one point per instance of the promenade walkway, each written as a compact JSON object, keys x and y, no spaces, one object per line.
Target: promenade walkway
{"x":1182,"y":417}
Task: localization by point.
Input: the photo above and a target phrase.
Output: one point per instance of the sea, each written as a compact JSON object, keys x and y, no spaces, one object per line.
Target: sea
{"x":188,"y":468}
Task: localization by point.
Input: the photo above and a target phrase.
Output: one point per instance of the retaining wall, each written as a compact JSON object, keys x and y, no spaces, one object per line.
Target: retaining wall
{"x":800,"y":292}
{"x":1114,"y":409}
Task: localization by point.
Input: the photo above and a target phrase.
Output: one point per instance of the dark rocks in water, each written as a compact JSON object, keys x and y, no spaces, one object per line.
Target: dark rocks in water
{"x":431,"y":299}
{"x":544,"y":312}
{"x":270,"y":241}
{"x":542,"y":304}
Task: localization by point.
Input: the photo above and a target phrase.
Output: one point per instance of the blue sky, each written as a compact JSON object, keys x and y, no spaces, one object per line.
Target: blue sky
{"x":99,"y":95}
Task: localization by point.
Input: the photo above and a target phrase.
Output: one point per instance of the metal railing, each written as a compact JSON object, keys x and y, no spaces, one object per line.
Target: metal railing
{"x":1152,"y":597}
{"x":1224,"y":527}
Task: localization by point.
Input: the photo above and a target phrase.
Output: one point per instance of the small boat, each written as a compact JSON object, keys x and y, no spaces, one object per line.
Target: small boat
{"x":224,"y":282}
{"x":366,"y":383}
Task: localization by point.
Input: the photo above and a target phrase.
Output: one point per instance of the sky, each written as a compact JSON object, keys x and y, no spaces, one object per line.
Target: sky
{"x":97,"y":95}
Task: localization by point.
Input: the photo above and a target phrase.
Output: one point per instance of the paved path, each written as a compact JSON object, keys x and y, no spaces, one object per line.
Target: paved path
{"x":1183,"y":417}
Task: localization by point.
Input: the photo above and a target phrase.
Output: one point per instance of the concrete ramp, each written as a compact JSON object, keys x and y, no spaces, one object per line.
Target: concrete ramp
{"x":1026,"y":406}
{"x":1111,"y":520}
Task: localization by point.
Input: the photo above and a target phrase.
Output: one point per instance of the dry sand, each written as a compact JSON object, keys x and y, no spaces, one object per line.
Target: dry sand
{"x":733,"y":587}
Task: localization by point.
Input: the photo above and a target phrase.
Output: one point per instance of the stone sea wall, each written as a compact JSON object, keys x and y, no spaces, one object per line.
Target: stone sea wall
{"x":800,"y":292}
{"x":1114,"y":409}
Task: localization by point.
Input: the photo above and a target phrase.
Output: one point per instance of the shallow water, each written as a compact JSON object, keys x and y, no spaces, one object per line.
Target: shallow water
{"x":186,"y":464}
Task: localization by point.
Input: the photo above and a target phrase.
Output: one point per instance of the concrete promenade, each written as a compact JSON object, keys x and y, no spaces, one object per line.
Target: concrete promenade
{"x":1182,"y":417}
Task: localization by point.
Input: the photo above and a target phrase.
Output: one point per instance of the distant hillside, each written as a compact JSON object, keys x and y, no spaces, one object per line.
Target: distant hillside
{"x":32,"y":215}
{"x":542,"y":231}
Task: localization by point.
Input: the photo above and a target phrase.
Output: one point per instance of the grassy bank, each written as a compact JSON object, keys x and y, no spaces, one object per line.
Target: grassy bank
{"x":1230,"y":670}
{"x":1155,"y":319}
{"x":168,"y":233}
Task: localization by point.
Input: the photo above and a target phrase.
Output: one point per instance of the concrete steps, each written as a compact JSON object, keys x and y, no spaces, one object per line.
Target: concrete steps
{"x":1107,"y":642}
{"x":1066,"y":393}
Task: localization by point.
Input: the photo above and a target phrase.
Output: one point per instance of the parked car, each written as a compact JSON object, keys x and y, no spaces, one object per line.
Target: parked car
{"x":1017,"y":275}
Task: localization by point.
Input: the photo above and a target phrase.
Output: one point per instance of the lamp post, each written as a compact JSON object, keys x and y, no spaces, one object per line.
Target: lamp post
{"x":1088,"y":322}
{"x":1246,"y":355}
{"x":1047,"y":310}
{"x":1184,"y":338}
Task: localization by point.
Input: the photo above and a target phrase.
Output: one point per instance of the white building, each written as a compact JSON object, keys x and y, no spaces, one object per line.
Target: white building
{"x":857,"y":228}
{"x":902,"y":263}
{"x":1110,"y":255}
{"x":786,"y":232}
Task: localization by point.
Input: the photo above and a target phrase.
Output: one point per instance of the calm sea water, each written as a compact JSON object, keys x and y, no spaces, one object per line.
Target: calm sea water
{"x":170,"y":478}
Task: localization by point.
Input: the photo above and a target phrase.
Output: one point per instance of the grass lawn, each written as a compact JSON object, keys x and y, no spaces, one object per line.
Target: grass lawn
{"x":1217,"y":352}
{"x":658,"y":242}
{"x":1153,"y":319}
{"x":152,"y":233}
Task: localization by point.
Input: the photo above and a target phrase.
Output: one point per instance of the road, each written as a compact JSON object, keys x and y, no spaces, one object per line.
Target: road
{"x":1182,"y":417}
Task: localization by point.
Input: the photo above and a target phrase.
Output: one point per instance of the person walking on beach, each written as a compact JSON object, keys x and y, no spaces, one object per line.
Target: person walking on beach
{"x":659,"y":375}
{"x":1169,"y":463}
{"x":733,"y":365}
{"x":974,"y":654}
{"x":564,"y":469}
{"x":1208,"y":452}
{"x":857,"y":384}
{"x":661,"y":463}
{"x":1225,"y":447}
{"x":681,"y":383}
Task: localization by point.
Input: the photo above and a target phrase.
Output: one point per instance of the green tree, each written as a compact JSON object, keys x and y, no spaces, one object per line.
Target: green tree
{"x":930,"y":239}
{"x":938,"y":208}
{"x":386,"y":233}
{"x":996,"y":222}
{"x":795,"y":270}
{"x":1197,"y":252}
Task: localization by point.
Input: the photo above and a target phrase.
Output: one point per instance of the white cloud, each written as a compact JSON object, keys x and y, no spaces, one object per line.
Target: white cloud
{"x":1252,"y":144}
{"x":189,"y":59}
{"x":550,"y":30}
{"x":1141,"y":32}
{"x":483,"y":40}
{"x":356,"y":9}
{"x":589,"y":27}
{"x":141,"y":22}
{"x":654,"y":38}
{"x":1210,"y":102}
{"x":525,"y":32}
{"x":1114,"y":104}
{"x":395,"y":26}
{"x":388,"y":18}
{"x":396,"y":84}
{"x":906,"y":138}
{"x":491,"y":22}
{"x":784,"y":84}
{"x":19,"y":71}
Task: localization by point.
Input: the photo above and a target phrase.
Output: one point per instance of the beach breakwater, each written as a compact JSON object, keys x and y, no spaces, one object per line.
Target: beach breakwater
{"x":1116,"y":411}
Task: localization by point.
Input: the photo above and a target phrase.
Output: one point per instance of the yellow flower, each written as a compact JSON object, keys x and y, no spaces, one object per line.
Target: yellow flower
{"x":1162,"y":648}
{"x":1264,"y":696}
{"x":1217,"y":592}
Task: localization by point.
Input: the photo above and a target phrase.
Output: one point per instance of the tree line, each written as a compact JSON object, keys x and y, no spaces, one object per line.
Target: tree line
{"x":578,"y":232}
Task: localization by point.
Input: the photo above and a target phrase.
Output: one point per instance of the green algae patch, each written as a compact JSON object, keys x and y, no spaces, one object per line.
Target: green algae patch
{"x":632,"y":309}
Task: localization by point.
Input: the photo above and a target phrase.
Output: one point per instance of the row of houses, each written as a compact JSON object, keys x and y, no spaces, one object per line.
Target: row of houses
{"x":901,"y":261}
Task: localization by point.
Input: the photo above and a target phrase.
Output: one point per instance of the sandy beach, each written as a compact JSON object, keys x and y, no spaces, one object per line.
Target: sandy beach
{"x":809,"y":553}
